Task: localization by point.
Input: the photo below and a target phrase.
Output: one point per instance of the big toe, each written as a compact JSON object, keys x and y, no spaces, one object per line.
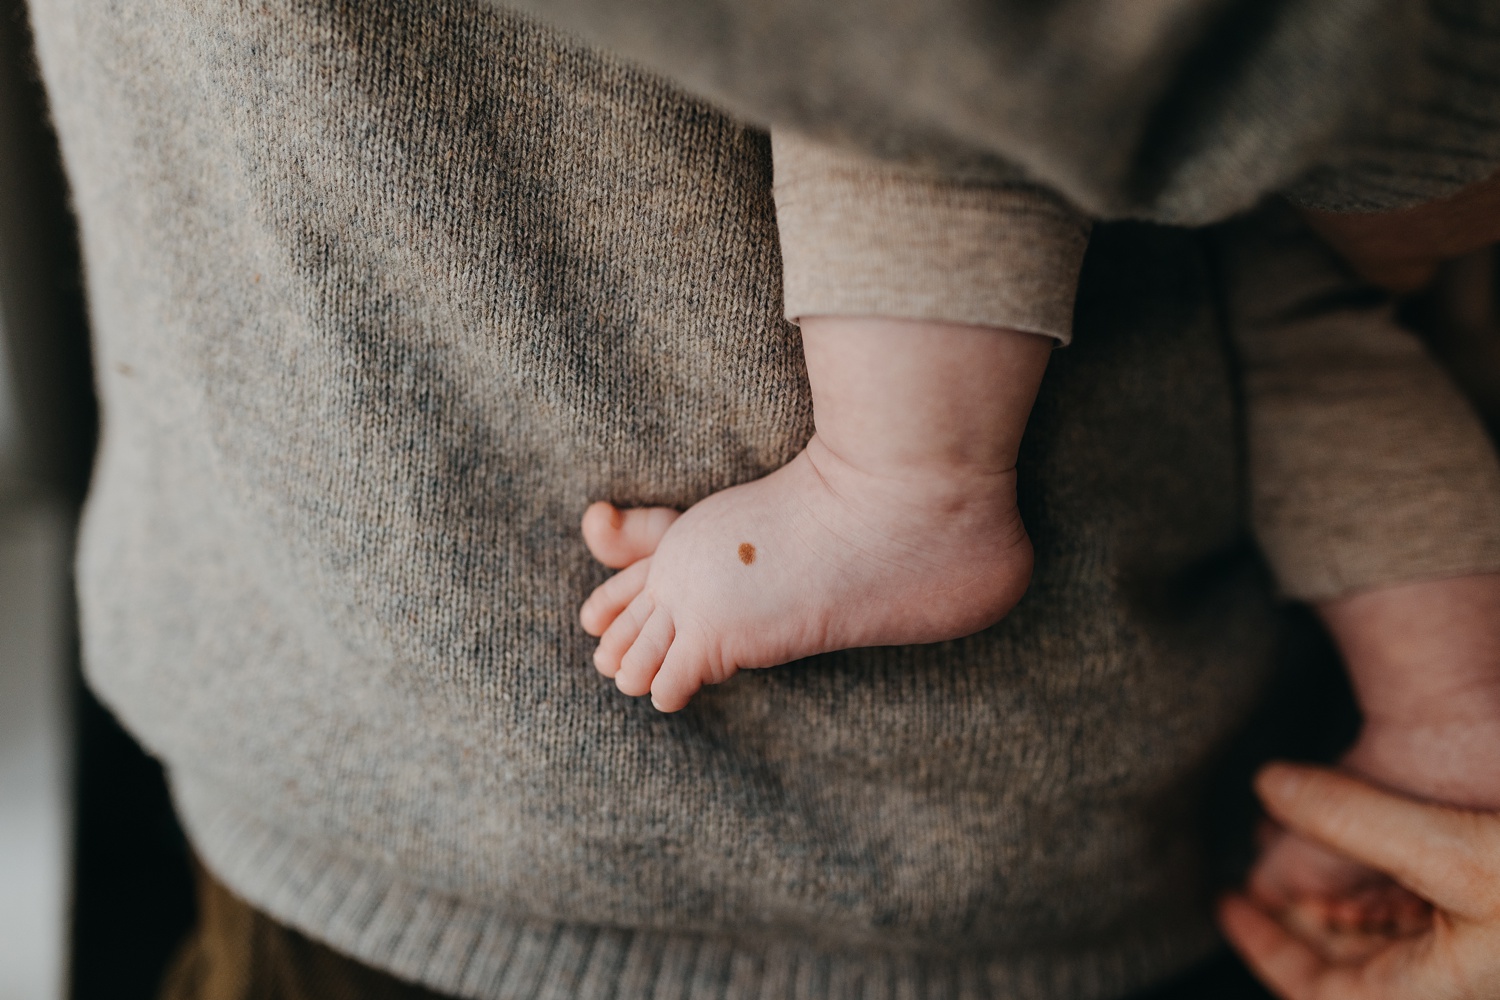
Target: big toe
{"x":618,"y":537}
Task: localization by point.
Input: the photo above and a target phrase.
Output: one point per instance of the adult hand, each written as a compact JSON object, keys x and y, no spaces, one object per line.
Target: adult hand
{"x":1448,"y":857}
{"x":1424,"y":659}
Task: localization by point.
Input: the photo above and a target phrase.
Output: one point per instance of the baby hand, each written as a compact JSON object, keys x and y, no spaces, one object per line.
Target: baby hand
{"x":1302,"y":882}
{"x":1422,"y":657}
{"x":1449,"y":858}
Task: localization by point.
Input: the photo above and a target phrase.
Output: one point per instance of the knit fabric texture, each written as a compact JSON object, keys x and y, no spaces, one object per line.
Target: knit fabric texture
{"x":1438,"y":133}
{"x":862,"y":237}
{"x":1176,"y":111}
{"x":384,"y":294}
{"x":1367,"y":465}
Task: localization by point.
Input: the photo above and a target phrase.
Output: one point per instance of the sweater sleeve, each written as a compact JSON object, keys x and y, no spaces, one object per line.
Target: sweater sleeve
{"x":1367,"y":466}
{"x":1176,"y":111}
{"x":864,"y":237}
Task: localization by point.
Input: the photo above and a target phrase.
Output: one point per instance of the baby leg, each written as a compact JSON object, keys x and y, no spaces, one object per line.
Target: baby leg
{"x":897,"y":524}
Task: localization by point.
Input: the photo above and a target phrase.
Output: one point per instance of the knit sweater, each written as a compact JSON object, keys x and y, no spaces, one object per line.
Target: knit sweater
{"x":1179,"y":111}
{"x":384,"y":295}
{"x":1366,"y":465}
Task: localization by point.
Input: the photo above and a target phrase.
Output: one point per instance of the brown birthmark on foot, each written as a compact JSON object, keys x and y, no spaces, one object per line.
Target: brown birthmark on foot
{"x":747,"y":553}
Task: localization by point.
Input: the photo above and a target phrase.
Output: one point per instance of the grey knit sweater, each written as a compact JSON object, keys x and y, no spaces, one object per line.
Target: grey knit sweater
{"x":1179,"y":111}
{"x":384,"y":295}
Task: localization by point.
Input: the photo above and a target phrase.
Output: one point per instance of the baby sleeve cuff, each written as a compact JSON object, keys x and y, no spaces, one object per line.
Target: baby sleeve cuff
{"x":863,"y":237}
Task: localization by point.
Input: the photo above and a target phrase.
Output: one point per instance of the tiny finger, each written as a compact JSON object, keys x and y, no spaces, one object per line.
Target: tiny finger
{"x":1287,"y":966}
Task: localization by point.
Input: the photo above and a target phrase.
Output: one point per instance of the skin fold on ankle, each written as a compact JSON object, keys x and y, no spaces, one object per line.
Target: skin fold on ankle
{"x":897,"y":524}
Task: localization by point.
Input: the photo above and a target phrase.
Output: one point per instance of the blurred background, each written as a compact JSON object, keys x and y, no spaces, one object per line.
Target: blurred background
{"x":94,"y":889}
{"x":94,"y":883}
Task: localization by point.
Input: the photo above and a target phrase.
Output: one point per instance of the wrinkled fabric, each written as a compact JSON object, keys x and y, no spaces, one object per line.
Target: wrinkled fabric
{"x":384,"y":294}
{"x":1175,"y":111}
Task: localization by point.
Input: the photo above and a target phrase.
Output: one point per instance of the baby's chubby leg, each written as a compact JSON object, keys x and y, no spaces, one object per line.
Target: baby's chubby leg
{"x":897,"y":524}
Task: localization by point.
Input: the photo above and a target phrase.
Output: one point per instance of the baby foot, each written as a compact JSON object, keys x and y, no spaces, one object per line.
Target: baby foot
{"x":814,"y":557}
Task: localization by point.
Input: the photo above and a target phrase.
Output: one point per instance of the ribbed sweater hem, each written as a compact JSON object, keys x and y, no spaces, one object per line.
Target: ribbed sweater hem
{"x":457,"y":946}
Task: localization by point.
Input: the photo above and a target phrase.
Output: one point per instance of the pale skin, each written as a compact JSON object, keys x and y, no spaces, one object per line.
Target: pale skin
{"x":1401,"y":250}
{"x":897,"y":524}
{"x":1424,"y":657}
{"x":1445,"y":857}
{"x":1424,"y":660}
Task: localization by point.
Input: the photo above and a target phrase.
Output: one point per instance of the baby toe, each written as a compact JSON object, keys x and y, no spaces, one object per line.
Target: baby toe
{"x":618,"y":537}
{"x":639,"y":664}
{"x":612,"y":597}
{"x":682,"y":673}
{"x":621,"y":634}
